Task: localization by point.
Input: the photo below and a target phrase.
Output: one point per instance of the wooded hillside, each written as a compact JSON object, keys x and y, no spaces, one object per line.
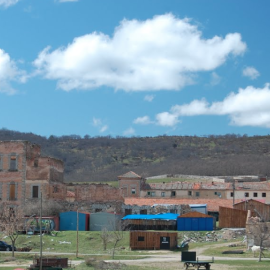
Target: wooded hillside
{"x":100,"y":159}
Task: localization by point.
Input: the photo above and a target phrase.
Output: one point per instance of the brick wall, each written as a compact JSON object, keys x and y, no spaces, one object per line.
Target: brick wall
{"x":129,"y":186}
{"x":12,"y":171}
{"x":97,"y":193}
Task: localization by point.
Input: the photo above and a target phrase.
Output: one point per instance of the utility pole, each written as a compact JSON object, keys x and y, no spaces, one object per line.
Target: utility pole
{"x":40,"y":231}
{"x":233,"y":191}
{"x":77,"y":251}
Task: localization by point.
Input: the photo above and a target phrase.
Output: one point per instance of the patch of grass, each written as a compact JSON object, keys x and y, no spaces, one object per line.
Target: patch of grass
{"x":244,"y":264}
{"x":217,"y":251}
{"x":9,"y":267}
{"x":83,"y":266}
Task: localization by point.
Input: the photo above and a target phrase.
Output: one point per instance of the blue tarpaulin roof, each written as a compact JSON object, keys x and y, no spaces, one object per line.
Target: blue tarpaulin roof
{"x":165,"y":216}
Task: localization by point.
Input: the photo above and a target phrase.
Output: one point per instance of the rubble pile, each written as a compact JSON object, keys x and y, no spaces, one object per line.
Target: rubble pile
{"x":196,"y":237}
{"x":228,"y":234}
{"x":214,"y":236}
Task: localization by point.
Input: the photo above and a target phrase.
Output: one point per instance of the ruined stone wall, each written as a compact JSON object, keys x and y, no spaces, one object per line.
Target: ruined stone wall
{"x":45,"y":168}
{"x":97,"y":193}
{"x":57,"y":191}
{"x":150,"y":210}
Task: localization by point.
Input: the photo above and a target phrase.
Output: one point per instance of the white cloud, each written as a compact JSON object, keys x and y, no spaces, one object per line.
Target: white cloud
{"x":7,"y":3}
{"x":251,"y":72}
{"x":215,"y":79}
{"x":98,"y":123}
{"x":103,"y":129}
{"x":248,"y":107}
{"x":161,"y":53}
{"x":129,"y":131}
{"x":145,"y":120}
{"x":9,"y":72}
{"x":166,"y":119}
{"x":149,"y":98}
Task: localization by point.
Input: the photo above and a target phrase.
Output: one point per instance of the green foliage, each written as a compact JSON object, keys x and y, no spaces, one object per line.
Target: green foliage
{"x":104,"y":158}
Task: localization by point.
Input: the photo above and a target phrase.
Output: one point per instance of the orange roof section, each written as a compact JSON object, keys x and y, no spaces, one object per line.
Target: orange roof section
{"x":195,"y":214}
{"x":130,"y":175}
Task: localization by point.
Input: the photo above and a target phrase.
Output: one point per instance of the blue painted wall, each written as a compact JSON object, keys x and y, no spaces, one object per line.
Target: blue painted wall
{"x":195,"y":224}
{"x":68,"y":221}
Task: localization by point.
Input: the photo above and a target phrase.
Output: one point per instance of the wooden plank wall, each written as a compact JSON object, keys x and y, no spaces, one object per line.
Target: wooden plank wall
{"x":151,"y":239}
{"x":232,"y":218}
{"x":262,"y":208}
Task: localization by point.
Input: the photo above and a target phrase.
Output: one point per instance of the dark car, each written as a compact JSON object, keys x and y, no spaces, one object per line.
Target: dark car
{"x":5,"y":246}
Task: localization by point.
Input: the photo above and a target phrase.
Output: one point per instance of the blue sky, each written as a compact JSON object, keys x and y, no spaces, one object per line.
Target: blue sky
{"x":135,"y":68}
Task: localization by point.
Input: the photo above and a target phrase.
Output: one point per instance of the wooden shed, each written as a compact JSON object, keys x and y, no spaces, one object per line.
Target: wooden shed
{"x":153,"y":240}
{"x":258,"y":209}
{"x":232,"y":218}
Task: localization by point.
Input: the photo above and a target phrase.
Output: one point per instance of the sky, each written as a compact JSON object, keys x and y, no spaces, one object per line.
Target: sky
{"x":135,"y":68}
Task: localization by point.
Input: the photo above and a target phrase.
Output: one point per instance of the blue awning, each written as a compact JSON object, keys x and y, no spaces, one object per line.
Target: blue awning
{"x":165,"y":216}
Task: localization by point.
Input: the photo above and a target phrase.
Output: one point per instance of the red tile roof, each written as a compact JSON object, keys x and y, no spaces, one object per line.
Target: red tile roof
{"x":212,"y":204}
{"x":130,"y":175}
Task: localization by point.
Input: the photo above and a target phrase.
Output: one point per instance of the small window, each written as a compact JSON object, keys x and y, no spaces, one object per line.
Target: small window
{"x":55,"y":189}
{"x":12,"y":196}
{"x":36,"y":162}
{"x":153,"y":194}
{"x":133,"y":191}
{"x":263,"y":194}
{"x":255,"y":194}
{"x":140,"y":238}
{"x":35,"y":191}
{"x":246,"y":194}
{"x":128,"y":212}
{"x":231,"y":194}
{"x":197,"y":194}
{"x":173,"y":193}
{"x":13,"y":163}
{"x":189,"y":193}
{"x":162,"y":194}
{"x":148,"y":193}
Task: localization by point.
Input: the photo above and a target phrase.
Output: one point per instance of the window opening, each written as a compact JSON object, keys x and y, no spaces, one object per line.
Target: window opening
{"x":13,"y":163}
{"x":12,"y":196}
{"x":35,"y":190}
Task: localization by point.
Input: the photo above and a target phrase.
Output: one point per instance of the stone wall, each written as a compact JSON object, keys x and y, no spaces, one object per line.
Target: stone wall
{"x":97,"y":193}
{"x":150,"y":210}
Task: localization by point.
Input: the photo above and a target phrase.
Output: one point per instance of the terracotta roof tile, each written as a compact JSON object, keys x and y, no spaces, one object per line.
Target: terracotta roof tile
{"x":130,"y":175}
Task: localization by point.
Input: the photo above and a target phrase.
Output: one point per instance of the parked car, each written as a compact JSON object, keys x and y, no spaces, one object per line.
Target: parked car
{"x":5,"y":246}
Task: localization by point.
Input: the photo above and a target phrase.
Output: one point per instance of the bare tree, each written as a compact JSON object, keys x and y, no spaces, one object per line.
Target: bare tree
{"x":49,"y":208}
{"x":105,"y":237}
{"x":259,"y":231}
{"x":11,"y":222}
{"x":117,"y":236}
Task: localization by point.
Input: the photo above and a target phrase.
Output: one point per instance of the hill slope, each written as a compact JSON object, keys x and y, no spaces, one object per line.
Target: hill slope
{"x":104,"y":158}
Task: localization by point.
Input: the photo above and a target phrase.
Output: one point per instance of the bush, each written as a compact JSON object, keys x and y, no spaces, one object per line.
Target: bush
{"x":90,"y":261}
